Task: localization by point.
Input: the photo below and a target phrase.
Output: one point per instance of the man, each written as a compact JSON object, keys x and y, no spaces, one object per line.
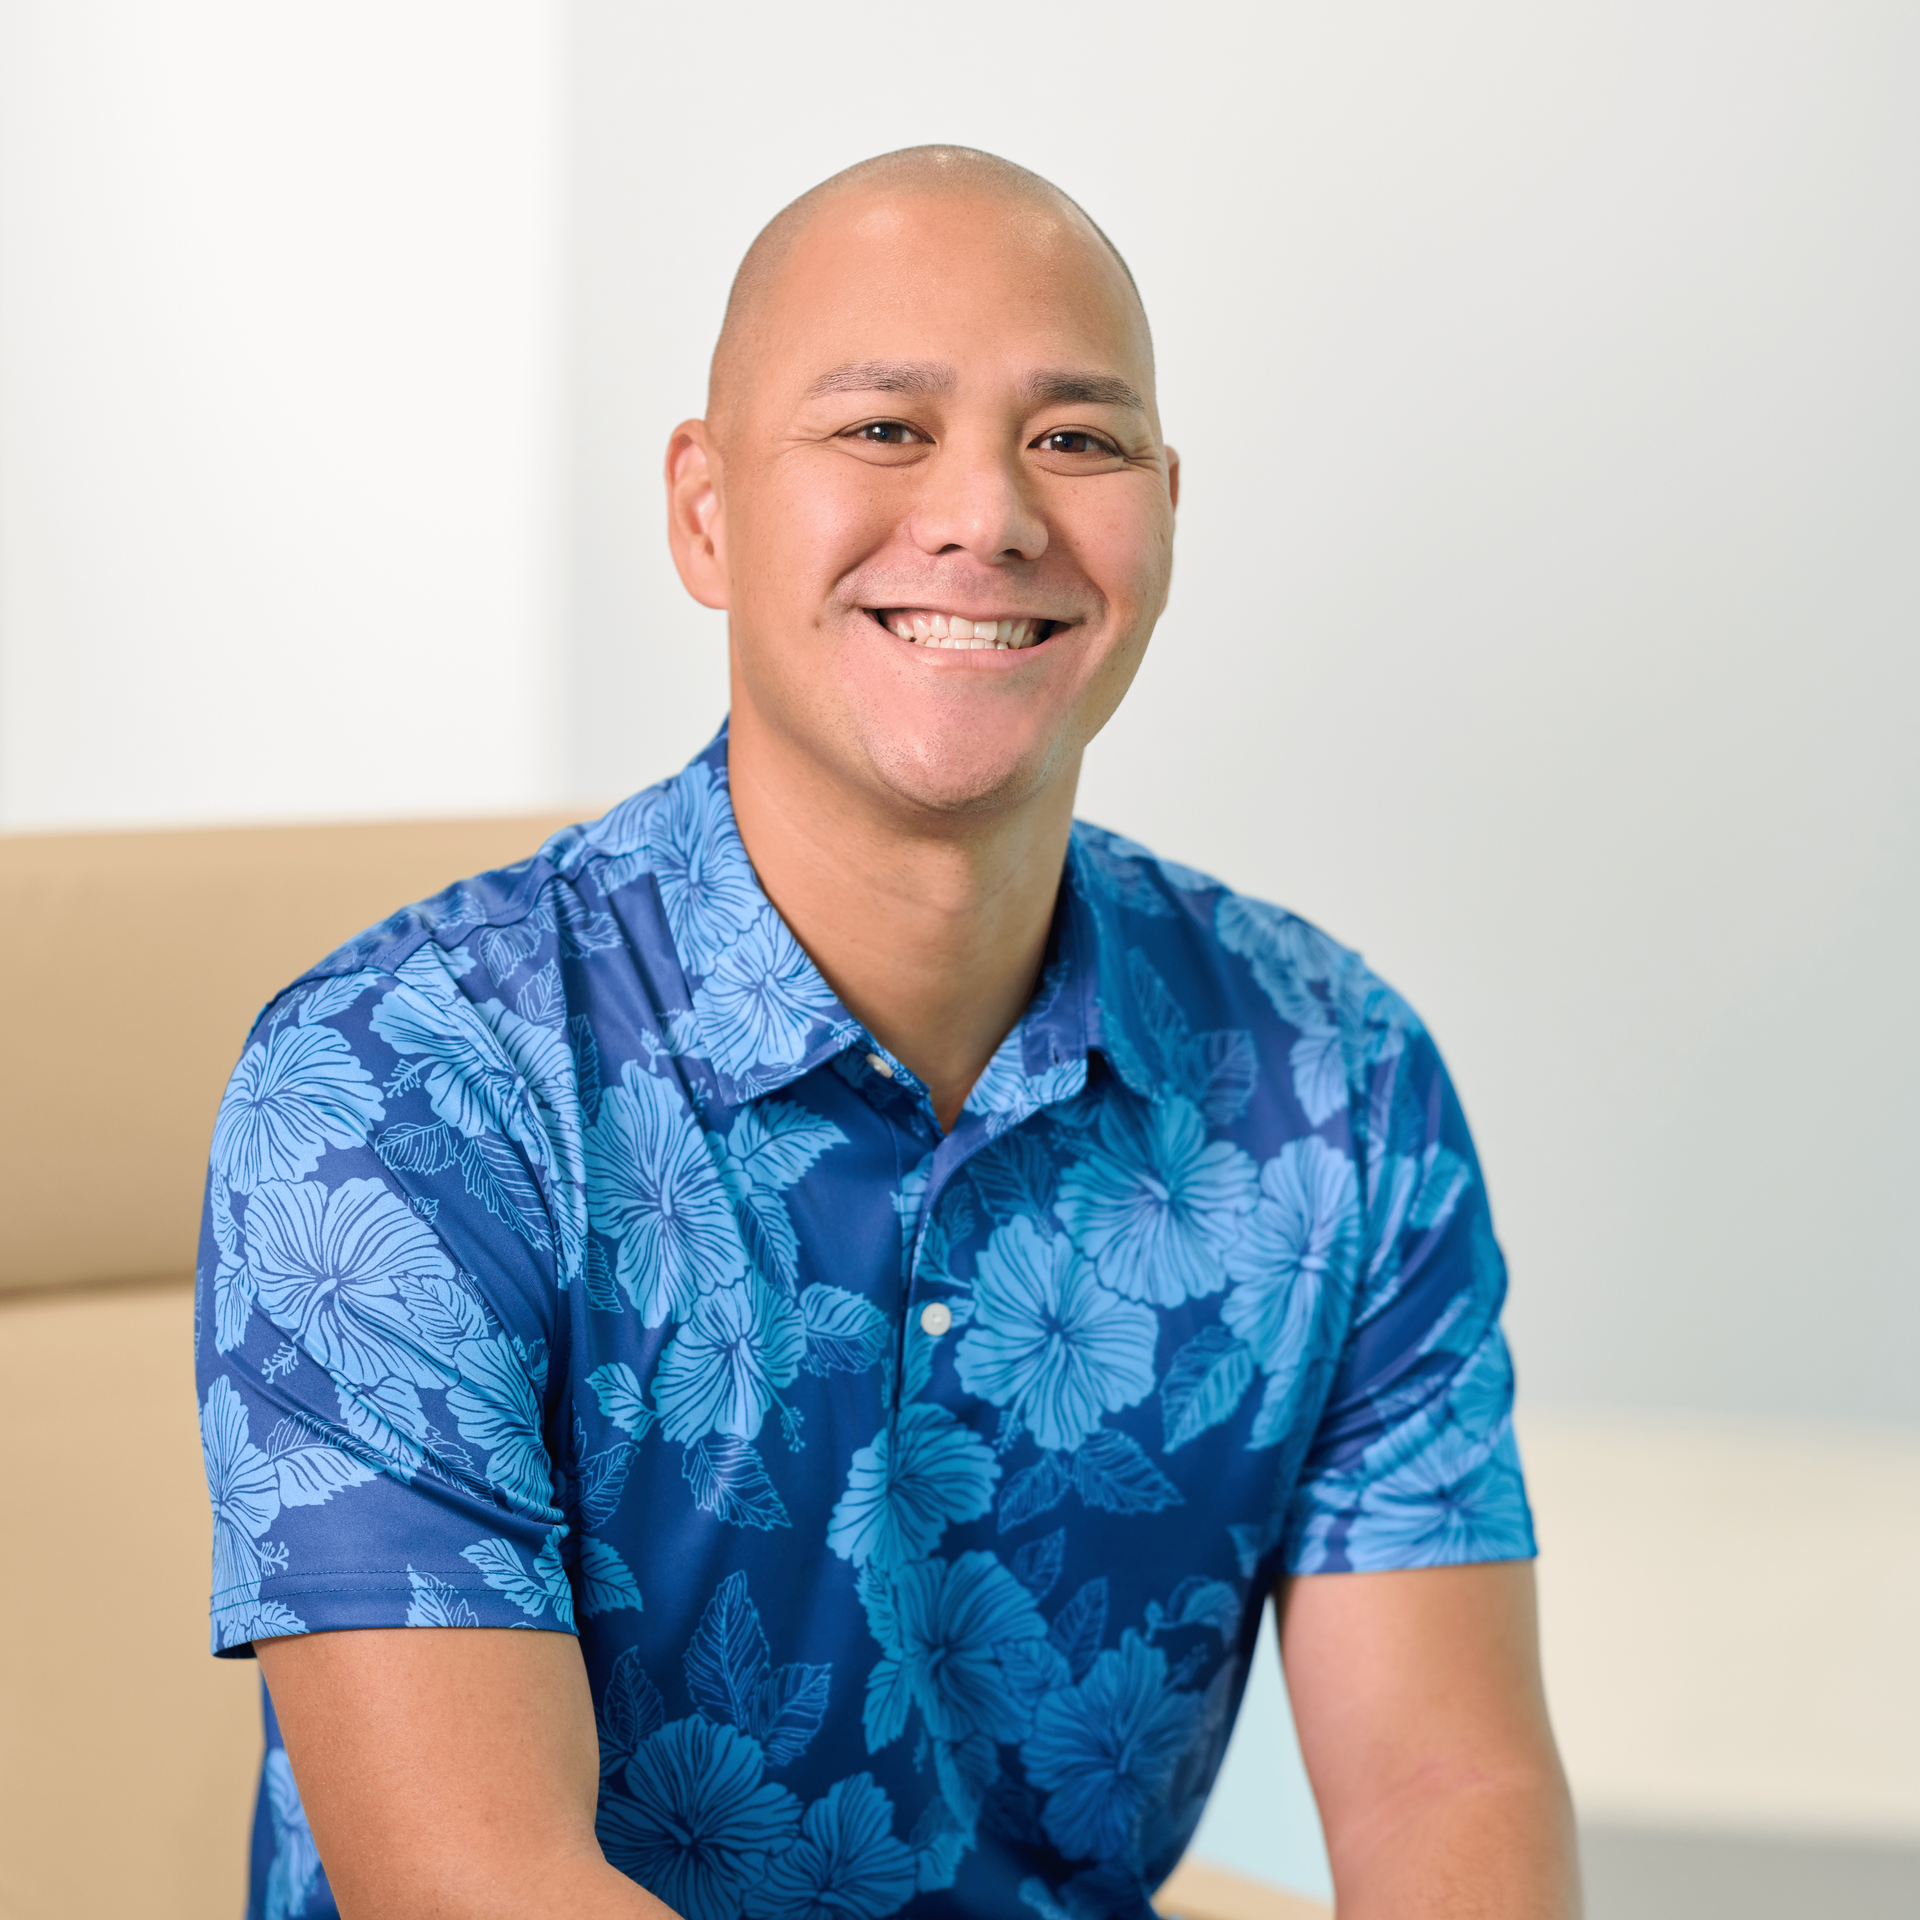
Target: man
{"x":883,"y":1280}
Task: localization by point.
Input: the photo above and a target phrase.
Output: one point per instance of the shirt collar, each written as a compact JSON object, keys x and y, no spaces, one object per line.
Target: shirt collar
{"x":760,"y":1016}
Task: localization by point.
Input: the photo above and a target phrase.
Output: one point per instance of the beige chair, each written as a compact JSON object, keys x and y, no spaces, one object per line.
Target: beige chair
{"x":131,"y":966}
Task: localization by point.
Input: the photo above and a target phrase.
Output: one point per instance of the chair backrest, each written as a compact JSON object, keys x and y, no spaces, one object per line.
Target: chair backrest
{"x":131,"y":965}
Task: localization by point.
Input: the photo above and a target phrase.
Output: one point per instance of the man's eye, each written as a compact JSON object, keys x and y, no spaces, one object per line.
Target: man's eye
{"x":885,"y":433}
{"x":1072,"y":440}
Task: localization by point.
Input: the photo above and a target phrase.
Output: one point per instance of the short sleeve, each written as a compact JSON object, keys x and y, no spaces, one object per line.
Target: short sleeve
{"x":378,"y":1266}
{"x":1413,"y":1463}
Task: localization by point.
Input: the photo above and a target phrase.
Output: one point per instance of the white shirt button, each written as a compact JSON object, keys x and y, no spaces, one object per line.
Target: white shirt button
{"x":879,"y":1066}
{"x":935,"y":1318}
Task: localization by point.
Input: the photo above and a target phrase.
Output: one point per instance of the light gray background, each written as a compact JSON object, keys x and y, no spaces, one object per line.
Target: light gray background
{"x":1545,"y":620}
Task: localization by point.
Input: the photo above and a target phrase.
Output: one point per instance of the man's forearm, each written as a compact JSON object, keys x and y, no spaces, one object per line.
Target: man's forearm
{"x":479,"y":1888}
{"x":1423,"y":1723}
{"x":450,"y":1772}
{"x":1484,"y":1849}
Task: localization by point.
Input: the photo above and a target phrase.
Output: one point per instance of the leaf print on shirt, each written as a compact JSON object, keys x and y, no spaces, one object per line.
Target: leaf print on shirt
{"x":726,"y":1365}
{"x":729,"y":1480}
{"x":772,"y":1145}
{"x":333,"y":1272}
{"x":630,"y":1711}
{"x":505,"y":1083}
{"x":846,"y":1864}
{"x":697,"y":1822}
{"x":622,"y":1399}
{"x":1287,"y":956}
{"x":1106,"y":1750}
{"x":232,"y":1283}
{"x":706,"y":882}
{"x":1204,"y":1385}
{"x":605,"y":1581}
{"x":1217,"y":1070}
{"x":1048,"y":1341}
{"x":758,"y":1007}
{"x":1155,"y":1204}
{"x":499,"y":1564}
{"x":845,"y":1332}
{"x":293,"y":1095}
{"x":435,"y":1604}
{"x":1318,"y":1064}
{"x":655,"y":1193}
{"x":944,"y":1625}
{"x":1302,"y":1238}
{"x":1121,"y":869}
{"x":916,"y":1478}
{"x":731,"y":1677}
{"x":310,"y":1466}
{"x":389,"y":1423}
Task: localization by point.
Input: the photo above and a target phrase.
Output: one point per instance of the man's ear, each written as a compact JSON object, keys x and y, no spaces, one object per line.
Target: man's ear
{"x":1173,"y":477}
{"x":696,"y":521}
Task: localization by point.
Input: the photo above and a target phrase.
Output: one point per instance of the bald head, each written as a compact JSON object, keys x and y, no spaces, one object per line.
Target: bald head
{"x":963,"y":173}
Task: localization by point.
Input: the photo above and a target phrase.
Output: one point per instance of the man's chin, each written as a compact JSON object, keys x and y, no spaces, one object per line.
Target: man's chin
{"x":945,"y":775}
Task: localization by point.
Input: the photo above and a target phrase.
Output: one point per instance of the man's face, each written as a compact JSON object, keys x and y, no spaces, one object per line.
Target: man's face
{"x":948,"y":416}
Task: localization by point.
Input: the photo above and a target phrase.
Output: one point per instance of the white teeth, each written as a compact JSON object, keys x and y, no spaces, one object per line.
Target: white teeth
{"x":955,"y":630}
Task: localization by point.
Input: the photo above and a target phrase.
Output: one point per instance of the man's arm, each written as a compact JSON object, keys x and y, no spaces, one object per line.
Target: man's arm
{"x":449,"y":1772}
{"x":1422,"y":1721}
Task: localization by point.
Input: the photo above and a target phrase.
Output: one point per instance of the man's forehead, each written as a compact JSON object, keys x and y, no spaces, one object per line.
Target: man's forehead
{"x":902,"y":284}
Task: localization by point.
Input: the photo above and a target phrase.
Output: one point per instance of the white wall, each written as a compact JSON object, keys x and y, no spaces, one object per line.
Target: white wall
{"x":1548,"y":587}
{"x":280,"y":401}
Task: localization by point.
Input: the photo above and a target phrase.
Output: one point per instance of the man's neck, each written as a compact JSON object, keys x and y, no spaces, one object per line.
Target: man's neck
{"x":932,"y":931}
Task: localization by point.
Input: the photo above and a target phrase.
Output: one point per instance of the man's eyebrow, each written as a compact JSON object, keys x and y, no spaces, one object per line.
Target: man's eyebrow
{"x":916,"y":378}
{"x":1060,"y":387}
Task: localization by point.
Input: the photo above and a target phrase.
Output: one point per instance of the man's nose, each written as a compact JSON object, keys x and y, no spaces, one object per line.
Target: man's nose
{"x":975,"y":500}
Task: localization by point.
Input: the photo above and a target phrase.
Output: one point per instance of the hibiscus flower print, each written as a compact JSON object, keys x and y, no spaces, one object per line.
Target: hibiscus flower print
{"x":1458,"y":1499}
{"x":1107,"y":1748}
{"x":472,"y":1081}
{"x":917,"y":1478}
{"x":292,"y":1097}
{"x":701,"y":869}
{"x":1155,"y":1204}
{"x":245,"y":1491}
{"x":656,"y":1193}
{"x":846,"y":1865}
{"x":296,"y":1859}
{"x":727,"y":1364}
{"x":496,"y":1404}
{"x":758,"y":1007}
{"x":947,"y":1626}
{"x":1049,"y":1341}
{"x":697,"y":1822}
{"x":1304,"y":1232}
{"x":331,"y":1270}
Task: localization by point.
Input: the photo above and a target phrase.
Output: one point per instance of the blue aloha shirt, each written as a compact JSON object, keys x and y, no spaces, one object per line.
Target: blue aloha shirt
{"x":574,"y":1260}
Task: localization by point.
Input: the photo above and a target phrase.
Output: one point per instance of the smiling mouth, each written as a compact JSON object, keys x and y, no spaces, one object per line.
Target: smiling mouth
{"x":921,"y":627}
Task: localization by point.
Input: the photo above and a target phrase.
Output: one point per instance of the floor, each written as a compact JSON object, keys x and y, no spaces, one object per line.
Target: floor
{"x":1648,"y":1875}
